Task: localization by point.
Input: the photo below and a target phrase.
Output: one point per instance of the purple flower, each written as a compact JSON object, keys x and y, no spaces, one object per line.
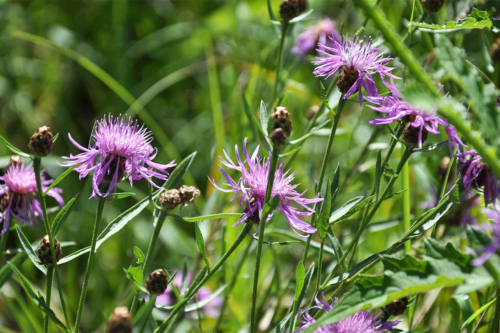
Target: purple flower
{"x":475,"y":173}
{"x":120,"y":148}
{"x":489,"y":250}
{"x":317,"y":33}
{"x":363,"y":321}
{"x":253,"y":183}
{"x":18,"y":191}
{"x":423,"y":122}
{"x":359,"y":61}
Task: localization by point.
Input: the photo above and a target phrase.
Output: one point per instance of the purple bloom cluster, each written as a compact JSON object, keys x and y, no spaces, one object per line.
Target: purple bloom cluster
{"x":18,"y":191}
{"x":253,"y":183}
{"x":316,"y":34}
{"x":494,"y":228}
{"x":359,"y":322}
{"x":120,"y":148}
{"x":357,"y":56}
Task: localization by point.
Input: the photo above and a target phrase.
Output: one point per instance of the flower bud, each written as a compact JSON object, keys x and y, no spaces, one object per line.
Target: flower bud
{"x":157,"y":282}
{"x":290,"y":9}
{"x":282,"y":120}
{"x":44,"y":253}
{"x":170,"y":199}
{"x":397,"y":307}
{"x":188,"y":194}
{"x":432,"y":5}
{"x":120,"y":321}
{"x":14,"y":160}
{"x":347,"y":79}
{"x":411,"y":135}
{"x":313,"y":110}
{"x":41,"y":142}
{"x":278,"y":137}
{"x":495,"y":51}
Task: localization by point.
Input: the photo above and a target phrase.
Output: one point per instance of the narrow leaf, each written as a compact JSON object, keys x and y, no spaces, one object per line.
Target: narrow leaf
{"x":301,"y":17}
{"x":270,"y":10}
{"x":209,"y":217}
{"x":335,"y":184}
{"x":349,"y":209}
{"x":137,"y":285}
{"x":58,"y":179}
{"x":29,"y":250}
{"x":325,"y":212}
{"x":378,"y":174}
{"x":201,"y":245}
{"x":63,"y":215}
{"x":299,"y":276}
{"x":338,"y":249}
{"x":174,"y":180}
{"x":12,"y":148}
{"x":6,"y":270}
{"x":264,"y":118}
{"x":122,"y":195}
{"x":455,"y":195}
{"x":199,"y":305}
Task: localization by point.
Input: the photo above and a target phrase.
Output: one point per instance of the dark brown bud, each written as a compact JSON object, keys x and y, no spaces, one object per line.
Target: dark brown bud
{"x":432,"y":5}
{"x":254,"y":218}
{"x":495,"y":51}
{"x":44,"y":251}
{"x":347,"y":79}
{"x":188,"y":194}
{"x":290,"y":9}
{"x":15,"y":160}
{"x":170,"y":199}
{"x":120,"y":321}
{"x":411,"y":135}
{"x":41,"y":142}
{"x":157,"y":282}
{"x":278,"y":137}
{"x":313,"y":110}
{"x":397,"y":307}
{"x":282,"y":120}
{"x":117,"y":161}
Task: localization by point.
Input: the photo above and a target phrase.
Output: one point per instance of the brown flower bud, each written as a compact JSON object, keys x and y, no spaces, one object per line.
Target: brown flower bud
{"x":254,"y":218}
{"x":278,"y":137}
{"x":313,"y":110}
{"x":282,"y":120}
{"x":14,"y":160}
{"x":495,"y":51}
{"x":432,"y":5}
{"x":188,"y":194}
{"x":41,"y":142}
{"x":120,"y":321}
{"x":112,"y":168}
{"x":44,"y":253}
{"x":397,"y":307}
{"x":157,"y":282}
{"x":347,"y":79}
{"x":290,"y":9}
{"x":170,"y":199}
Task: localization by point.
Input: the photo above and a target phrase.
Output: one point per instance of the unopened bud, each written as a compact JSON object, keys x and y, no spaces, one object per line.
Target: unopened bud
{"x":495,"y":51}
{"x":120,"y":321}
{"x":157,"y":282}
{"x":41,"y":142}
{"x":188,"y":194}
{"x":282,"y":120}
{"x":313,"y":110}
{"x":170,"y":199}
{"x":15,"y":160}
{"x":347,"y":79}
{"x":290,"y":9}
{"x":397,"y":307}
{"x":432,"y":5}
{"x":44,"y":253}
{"x":278,"y":138}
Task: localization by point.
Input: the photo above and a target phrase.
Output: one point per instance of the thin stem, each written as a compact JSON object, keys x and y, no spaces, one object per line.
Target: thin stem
{"x":280,"y":55}
{"x":149,"y":254}
{"x":443,"y":188}
{"x":192,"y":292}
{"x":405,"y":182}
{"x":494,"y":327}
{"x":100,"y":208}
{"x":150,"y":306}
{"x":3,"y":243}
{"x":270,"y":182}
{"x":48,"y":294}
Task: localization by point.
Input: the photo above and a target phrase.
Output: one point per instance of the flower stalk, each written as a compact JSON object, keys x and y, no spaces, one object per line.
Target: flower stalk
{"x":284,"y":31}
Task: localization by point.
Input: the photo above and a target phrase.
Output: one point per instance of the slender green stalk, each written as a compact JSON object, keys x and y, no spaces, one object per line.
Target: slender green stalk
{"x":443,"y":188}
{"x":195,"y":289}
{"x":149,"y":254}
{"x":48,"y":295}
{"x":3,"y":242}
{"x":284,"y":30}
{"x":150,"y":306}
{"x":100,"y":208}
{"x":405,"y":182}
{"x":494,"y":326}
{"x":270,"y":182}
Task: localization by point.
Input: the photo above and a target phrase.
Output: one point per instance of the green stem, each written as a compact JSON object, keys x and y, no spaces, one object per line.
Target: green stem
{"x":443,"y":189}
{"x":494,"y":327}
{"x":48,"y":294}
{"x":280,"y":56}
{"x":270,"y":182}
{"x":195,"y":289}
{"x":100,"y":208}
{"x":3,"y":243}
{"x":150,"y":307}
{"x":149,"y":254}
{"x":405,"y":182}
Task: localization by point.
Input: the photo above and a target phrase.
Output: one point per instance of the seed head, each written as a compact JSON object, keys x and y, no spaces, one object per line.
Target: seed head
{"x":290,"y":9}
{"x":188,"y":194}
{"x":120,"y":321}
{"x":170,"y":199}
{"x":495,"y":51}
{"x":278,"y":137}
{"x":397,"y":307}
{"x":14,"y":160}
{"x":44,"y":253}
{"x":347,"y":79}
{"x":41,"y":142}
{"x":432,"y":5}
{"x":156,"y":283}
{"x":282,"y":120}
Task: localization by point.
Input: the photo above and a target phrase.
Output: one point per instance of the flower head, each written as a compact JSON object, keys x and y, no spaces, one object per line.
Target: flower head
{"x":316,"y":34}
{"x":359,"y":61}
{"x":359,"y":322}
{"x":488,"y":250}
{"x":253,"y":184}
{"x":18,"y":191}
{"x":476,"y":173}
{"x":120,"y":147}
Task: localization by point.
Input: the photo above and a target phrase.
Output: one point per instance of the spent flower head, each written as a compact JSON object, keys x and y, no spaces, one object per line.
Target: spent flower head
{"x":363,"y":321}
{"x":359,"y":61}
{"x":120,"y":147}
{"x":488,"y":250}
{"x":253,"y":184}
{"x":18,"y":188}
{"x":318,"y":33}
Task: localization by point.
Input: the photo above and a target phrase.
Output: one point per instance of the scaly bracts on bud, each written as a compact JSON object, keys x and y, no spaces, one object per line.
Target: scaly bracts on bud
{"x":120,"y":321}
{"x":41,"y":143}
{"x":290,"y":9}
{"x":44,"y":253}
{"x":157,"y":282}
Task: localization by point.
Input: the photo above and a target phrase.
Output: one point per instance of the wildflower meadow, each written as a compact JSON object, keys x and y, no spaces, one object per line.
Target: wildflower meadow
{"x":250,"y":166}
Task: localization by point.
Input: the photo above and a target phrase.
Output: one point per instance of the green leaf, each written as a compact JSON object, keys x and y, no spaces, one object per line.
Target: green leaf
{"x":29,"y":250}
{"x":301,"y":16}
{"x":121,"y":195}
{"x":282,"y":324}
{"x":442,"y":266}
{"x":36,"y":299}
{"x":325,"y":97}
{"x":197,"y":279}
{"x":477,"y":313}
{"x":325,"y":212}
{"x":139,"y":255}
{"x":264,"y":118}
{"x":58,"y":179}
{"x":199,"y":305}
{"x":353,"y":271}
{"x":201,"y":245}
{"x":338,"y":249}
{"x":134,"y":272}
{"x":477,"y":20}
{"x":299,"y":277}
{"x":378,"y":174}
{"x":116,"y":225}
{"x":54,"y":139}
{"x":270,"y":10}
{"x":138,"y":286}
{"x":460,"y":308}
{"x":335,"y":184}
{"x":63,"y":215}
{"x":12,"y":148}
{"x":455,"y":195}
{"x":6,"y":270}
{"x":174,"y":180}
{"x":208,"y":217}
{"x":350,"y":208}
{"x":395,"y":194}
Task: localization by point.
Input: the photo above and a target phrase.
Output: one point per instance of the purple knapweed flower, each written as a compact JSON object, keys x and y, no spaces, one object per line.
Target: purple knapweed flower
{"x":359,"y":61}
{"x":316,"y":34}
{"x":488,"y":250}
{"x":363,"y":321}
{"x":253,"y":184}
{"x":475,"y":173}
{"x":120,"y":147}
{"x":18,"y":191}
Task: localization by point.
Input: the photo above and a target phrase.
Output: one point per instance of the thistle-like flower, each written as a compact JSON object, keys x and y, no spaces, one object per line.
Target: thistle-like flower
{"x":253,"y":184}
{"x":316,"y":34}
{"x":359,"y":322}
{"x":18,"y":191}
{"x":359,"y":61}
{"x":418,"y":123}
{"x":120,"y":148}
{"x":488,"y":250}
{"x":475,"y":173}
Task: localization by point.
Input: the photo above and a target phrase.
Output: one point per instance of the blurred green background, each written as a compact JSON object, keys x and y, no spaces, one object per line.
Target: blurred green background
{"x":181,"y":67}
